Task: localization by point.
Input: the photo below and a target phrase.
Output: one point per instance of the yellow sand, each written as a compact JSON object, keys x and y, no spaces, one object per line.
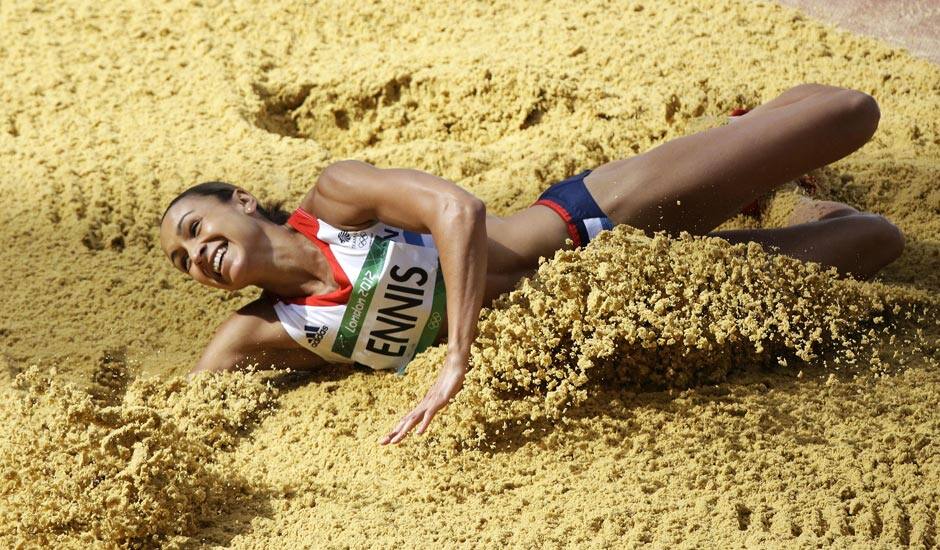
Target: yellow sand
{"x":678,"y":392}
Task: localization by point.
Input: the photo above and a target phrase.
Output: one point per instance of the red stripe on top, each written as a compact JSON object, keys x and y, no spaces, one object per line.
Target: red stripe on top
{"x":572,"y":228}
{"x":308,"y":225}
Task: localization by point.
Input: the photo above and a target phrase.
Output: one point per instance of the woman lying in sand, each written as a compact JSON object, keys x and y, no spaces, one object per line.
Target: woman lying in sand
{"x":357,"y":274}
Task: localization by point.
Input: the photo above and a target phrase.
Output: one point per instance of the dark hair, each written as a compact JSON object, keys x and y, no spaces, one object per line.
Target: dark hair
{"x":223,"y":191}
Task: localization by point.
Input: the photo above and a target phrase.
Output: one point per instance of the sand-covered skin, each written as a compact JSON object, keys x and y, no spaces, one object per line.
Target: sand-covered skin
{"x":107,"y":111}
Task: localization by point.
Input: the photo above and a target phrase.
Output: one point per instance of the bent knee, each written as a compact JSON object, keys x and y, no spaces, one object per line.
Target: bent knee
{"x":893,"y":238}
{"x":863,"y":115}
{"x":885,"y":240}
{"x":815,"y":87}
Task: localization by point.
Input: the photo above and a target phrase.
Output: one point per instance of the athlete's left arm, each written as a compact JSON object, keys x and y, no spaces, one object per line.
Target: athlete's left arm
{"x":353,"y":193}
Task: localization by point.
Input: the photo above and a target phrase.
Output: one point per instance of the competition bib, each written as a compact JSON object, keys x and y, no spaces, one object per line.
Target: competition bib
{"x":396,"y":306}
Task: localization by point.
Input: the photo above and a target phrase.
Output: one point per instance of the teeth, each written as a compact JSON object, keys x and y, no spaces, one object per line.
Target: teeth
{"x":217,"y":262}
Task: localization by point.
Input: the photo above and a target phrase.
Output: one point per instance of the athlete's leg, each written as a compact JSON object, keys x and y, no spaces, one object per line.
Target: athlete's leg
{"x":808,"y":210}
{"x":854,"y":243}
{"x":794,"y":94}
{"x":694,"y":183}
{"x":626,"y":188}
{"x":515,"y":244}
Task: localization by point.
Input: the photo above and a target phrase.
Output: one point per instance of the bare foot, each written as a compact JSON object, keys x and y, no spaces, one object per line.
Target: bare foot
{"x":811,"y":210}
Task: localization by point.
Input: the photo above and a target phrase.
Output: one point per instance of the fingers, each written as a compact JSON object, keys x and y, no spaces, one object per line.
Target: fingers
{"x":402,"y":423}
{"x":404,"y":427}
{"x":428,"y":415}
{"x":404,"y":431}
{"x":401,"y":430}
{"x":423,"y":413}
{"x":388,"y":437}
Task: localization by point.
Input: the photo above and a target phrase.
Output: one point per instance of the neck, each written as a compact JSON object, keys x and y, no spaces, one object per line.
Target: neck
{"x":297,"y":266}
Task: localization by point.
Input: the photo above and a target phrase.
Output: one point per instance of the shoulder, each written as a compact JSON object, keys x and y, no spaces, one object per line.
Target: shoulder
{"x":340,"y":196}
{"x":350,"y":171}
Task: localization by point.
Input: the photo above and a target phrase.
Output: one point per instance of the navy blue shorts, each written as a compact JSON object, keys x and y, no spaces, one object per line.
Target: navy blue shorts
{"x":572,"y":201}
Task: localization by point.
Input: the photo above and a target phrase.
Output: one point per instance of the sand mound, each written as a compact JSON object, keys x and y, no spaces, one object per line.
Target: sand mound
{"x":137,"y":472}
{"x":639,"y":312}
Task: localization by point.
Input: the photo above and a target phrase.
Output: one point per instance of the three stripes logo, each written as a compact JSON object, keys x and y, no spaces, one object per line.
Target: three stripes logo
{"x":314,"y":334}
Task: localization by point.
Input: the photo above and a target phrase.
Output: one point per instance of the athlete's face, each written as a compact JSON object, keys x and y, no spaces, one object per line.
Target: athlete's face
{"x":212,"y":240}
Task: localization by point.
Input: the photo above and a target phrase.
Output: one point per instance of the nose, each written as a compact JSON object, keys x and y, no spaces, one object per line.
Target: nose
{"x":197,"y":254}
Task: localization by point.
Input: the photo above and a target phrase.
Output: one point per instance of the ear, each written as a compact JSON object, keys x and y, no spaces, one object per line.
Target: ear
{"x":245,"y":200}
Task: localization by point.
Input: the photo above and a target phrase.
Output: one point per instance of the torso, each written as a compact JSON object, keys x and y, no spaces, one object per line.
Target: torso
{"x":514,"y":245}
{"x":387,"y":303}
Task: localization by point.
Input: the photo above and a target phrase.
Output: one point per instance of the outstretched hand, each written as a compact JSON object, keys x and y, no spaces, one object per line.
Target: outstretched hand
{"x":448,"y":383}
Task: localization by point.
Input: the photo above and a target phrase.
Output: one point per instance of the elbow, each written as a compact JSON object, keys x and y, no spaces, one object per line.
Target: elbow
{"x":478,"y":209}
{"x":341,"y":166}
{"x":464,"y":211}
{"x":331,"y":175}
{"x":234,"y":344}
{"x":473,"y":209}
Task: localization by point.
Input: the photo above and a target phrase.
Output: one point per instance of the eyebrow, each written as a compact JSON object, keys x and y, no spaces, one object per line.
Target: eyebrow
{"x":179,"y":231}
{"x":179,"y":224}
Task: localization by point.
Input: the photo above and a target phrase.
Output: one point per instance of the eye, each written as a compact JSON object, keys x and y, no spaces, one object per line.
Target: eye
{"x":193,"y":226}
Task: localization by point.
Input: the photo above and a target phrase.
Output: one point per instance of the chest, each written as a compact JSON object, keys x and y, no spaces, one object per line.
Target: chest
{"x":388,"y":304}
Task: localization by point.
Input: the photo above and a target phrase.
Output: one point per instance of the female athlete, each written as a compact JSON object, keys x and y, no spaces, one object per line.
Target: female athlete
{"x":377,"y":264}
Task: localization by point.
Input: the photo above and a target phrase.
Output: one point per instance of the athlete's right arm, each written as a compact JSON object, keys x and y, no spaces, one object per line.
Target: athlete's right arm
{"x":254,"y":336}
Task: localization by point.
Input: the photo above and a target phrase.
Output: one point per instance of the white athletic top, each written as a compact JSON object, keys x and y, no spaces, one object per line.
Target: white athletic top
{"x":390,"y":302}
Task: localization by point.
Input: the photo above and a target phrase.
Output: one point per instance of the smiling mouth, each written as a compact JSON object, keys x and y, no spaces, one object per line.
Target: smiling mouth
{"x":217,"y":260}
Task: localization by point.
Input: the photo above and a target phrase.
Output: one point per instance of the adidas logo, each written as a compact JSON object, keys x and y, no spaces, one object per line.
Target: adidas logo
{"x":314,"y":334}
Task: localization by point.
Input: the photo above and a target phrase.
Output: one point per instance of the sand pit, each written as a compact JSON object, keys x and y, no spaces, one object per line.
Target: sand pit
{"x":136,"y":470}
{"x":676,"y":392}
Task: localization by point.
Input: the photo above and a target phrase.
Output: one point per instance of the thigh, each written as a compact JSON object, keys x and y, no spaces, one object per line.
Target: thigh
{"x":694,"y":183}
{"x":515,"y":244}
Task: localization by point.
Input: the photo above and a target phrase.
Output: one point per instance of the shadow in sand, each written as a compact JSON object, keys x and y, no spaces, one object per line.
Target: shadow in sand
{"x":250,"y":501}
{"x":292,"y":379}
{"x":919,"y":257}
{"x":617,"y":402}
{"x":242,"y":504}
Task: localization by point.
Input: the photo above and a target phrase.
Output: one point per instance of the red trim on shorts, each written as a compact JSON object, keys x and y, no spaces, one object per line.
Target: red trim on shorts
{"x":308,"y":225}
{"x":808,"y":183}
{"x":572,"y":228}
